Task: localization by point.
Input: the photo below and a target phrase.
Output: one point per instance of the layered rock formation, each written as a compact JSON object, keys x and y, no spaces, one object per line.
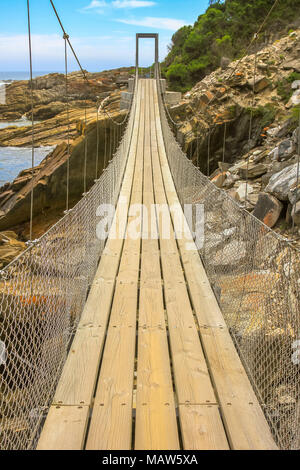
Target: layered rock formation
{"x":49,"y":178}
{"x":222,"y":105}
{"x":50,"y":105}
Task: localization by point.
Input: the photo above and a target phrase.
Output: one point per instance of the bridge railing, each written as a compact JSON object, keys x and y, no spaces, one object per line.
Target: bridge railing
{"x":42,"y":295}
{"x":255,"y":275}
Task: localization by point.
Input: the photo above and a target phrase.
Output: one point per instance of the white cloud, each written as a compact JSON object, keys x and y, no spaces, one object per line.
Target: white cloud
{"x":99,"y":6}
{"x":132,"y":4}
{"x":94,"y":52}
{"x":96,"y":5}
{"x":156,"y":23}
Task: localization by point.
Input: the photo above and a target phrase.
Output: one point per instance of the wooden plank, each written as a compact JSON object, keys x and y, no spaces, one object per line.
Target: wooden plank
{"x":111,"y":422}
{"x":244,"y":420}
{"x":64,"y":428}
{"x":246,"y":429}
{"x":192,"y":379}
{"x":202,"y":428}
{"x":156,"y":424}
{"x":79,"y":375}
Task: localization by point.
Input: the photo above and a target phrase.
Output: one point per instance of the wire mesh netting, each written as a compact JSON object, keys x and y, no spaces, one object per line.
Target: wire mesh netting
{"x":255,"y":275}
{"x":42,"y":295}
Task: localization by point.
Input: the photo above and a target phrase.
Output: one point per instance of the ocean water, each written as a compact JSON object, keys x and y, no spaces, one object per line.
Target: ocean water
{"x":12,"y":76}
{"x":15,"y":159}
{"x":23,"y":122}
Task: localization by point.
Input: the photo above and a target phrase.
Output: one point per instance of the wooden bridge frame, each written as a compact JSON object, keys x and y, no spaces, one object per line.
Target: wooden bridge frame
{"x":147,"y":36}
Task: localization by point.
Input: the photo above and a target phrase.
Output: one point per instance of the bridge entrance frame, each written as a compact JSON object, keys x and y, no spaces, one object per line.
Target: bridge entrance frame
{"x":147,"y":36}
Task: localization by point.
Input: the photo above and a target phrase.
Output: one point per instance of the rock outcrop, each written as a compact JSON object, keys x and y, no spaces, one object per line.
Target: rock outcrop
{"x":50,"y":177}
{"x":50,"y":105}
{"x":222,"y":106}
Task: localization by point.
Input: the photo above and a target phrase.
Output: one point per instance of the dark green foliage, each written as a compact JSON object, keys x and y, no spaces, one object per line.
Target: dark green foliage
{"x":284,"y":89}
{"x":224,"y":30}
{"x":295,"y":115}
{"x":264,"y":114}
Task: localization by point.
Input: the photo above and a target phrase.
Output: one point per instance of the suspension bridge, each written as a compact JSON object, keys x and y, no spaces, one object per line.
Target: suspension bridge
{"x":151,"y":342}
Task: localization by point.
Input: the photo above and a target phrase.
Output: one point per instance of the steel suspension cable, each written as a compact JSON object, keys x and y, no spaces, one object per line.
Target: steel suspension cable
{"x":32,"y":121}
{"x":97,"y":144}
{"x":68,"y":120}
{"x":297,"y":176}
{"x":85,"y":150}
{"x":68,"y":39}
{"x":224,"y":141}
{"x":251,"y":123}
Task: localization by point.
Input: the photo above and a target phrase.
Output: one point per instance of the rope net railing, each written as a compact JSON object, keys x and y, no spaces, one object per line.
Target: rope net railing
{"x":255,"y":275}
{"x":42,"y":295}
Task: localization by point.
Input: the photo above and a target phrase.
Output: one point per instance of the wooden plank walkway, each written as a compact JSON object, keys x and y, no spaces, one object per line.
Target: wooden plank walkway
{"x":152,"y":365}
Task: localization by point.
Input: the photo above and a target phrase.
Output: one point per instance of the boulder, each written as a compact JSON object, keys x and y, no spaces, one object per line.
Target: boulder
{"x":292,"y":64}
{"x":253,"y":170}
{"x":296,"y":213}
{"x":268,"y":209}
{"x":281,"y":183}
{"x":285,"y":148}
{"x":219,"y":179}
{"x":261,"y":82}
{"x":294,"y":100}
{"x":231,"y":255}
{"x":294,"y":193}
{"x":244,"y":189}
{"x":296,"y":84}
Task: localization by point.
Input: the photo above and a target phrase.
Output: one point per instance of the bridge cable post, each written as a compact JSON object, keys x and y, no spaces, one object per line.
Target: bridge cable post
{"x":97,"y":143}
{"x":32,"y":121}
{"x":105,"y":145}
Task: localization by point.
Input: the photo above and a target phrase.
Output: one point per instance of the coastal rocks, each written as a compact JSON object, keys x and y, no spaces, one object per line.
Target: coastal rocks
{"x":10,"y":247}
{"x":50,"y":178}
{"x":268,"y":209}
{"x":281,"y":183}
{"x":42,"y":113}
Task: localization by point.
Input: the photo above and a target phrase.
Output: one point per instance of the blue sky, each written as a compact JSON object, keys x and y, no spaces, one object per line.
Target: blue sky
{"x":102,"y":31}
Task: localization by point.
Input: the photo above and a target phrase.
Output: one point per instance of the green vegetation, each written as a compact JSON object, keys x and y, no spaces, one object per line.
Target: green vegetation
{"x":225,"y":30}
{"x":284,"y":89}
{"x":295,"y":115}
{"x":266,"y":114}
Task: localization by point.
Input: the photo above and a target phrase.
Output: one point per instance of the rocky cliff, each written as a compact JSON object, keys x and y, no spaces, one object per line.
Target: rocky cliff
{"x":49,"y":96}
{"x":49,"y":178}
{"x":221,"y":105}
